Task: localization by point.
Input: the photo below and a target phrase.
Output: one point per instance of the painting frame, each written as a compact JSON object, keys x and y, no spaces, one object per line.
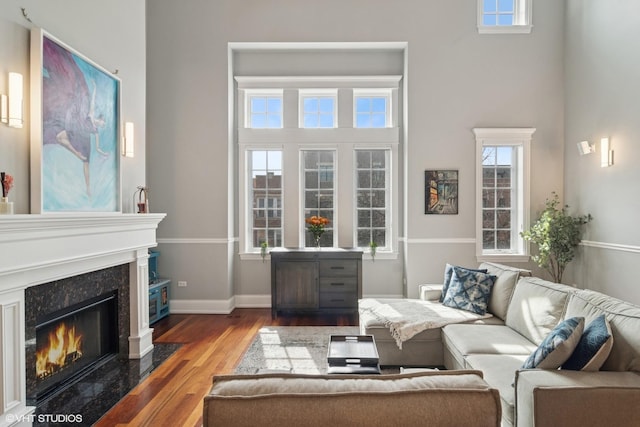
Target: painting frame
{"x":75,"y":131}
{"x":441,"y":192}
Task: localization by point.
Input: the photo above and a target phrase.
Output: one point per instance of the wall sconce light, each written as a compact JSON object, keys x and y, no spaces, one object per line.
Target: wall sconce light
{"x":606,"y":154}
{"x":15,"y":100}
{"x":4,"y":113}
{"x":584,"y":147}
{"x":128,"y":141}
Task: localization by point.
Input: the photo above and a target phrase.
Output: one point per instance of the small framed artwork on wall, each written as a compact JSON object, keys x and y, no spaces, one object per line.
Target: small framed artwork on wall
{"x":441,"y":192}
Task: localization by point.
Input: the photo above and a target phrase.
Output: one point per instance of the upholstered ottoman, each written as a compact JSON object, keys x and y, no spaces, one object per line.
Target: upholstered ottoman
{"x":427,"y":398}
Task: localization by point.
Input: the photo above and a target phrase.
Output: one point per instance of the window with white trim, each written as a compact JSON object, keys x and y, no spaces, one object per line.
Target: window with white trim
{"x":264,"y":109}
{"x":504,"y":16}
{"x":340,"y":173}
{"x":318,"y":109}
{"x":372,"y":109}
{"x":265,"y":176}
{"x":372,"y":197}
{"x":319,"y":196}
{"x":502,"y":192}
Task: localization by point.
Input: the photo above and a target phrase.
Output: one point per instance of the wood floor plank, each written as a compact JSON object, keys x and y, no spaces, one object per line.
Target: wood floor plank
{"x":212,"y":345}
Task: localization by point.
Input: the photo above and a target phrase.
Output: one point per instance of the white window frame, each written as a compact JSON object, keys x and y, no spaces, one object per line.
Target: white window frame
{"x":248,"y":196}
{"x":302,"y":233}
{"x":317,"y":93}
{"x":249,"y":94}
{"x":512,"y":137}
{"x":374,"y":93}
{"x":522,"y":16}
{"x":292,"y":139}
{"x":388,"y":152}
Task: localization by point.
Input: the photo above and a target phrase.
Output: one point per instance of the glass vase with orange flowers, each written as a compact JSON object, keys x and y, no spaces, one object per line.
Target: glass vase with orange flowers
{"x":315,"y":226}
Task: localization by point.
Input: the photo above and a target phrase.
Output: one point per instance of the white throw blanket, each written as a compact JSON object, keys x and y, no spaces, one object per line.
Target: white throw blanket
{"x":408,"y":317}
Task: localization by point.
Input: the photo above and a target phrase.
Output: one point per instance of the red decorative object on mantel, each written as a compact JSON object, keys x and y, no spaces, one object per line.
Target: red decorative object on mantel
{"x":6,"y":207}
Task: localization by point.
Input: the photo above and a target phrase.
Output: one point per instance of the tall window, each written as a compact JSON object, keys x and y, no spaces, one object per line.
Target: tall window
{"x":502,"y":192}
{"x":266,"y":197}
{"x":504,"y":16}
{"x":319,"y":196}
{"x":372,"y":202}
{"x":499,"y":185}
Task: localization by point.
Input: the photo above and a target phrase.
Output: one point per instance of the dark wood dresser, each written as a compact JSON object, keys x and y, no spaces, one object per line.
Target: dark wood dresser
{"x":315,"y":280}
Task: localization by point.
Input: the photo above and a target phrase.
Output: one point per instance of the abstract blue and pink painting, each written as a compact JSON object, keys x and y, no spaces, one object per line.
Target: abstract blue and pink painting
{"x":80,"y":127}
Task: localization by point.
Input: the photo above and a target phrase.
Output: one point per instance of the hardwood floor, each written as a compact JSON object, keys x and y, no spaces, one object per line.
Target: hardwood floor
{"x":212,"y":344}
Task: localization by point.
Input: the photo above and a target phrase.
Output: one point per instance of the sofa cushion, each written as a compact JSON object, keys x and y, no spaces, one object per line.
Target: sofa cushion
{"x":558,"y":346}
{"x":469,"y":290}
{"x":448,"y":272}
{"x":624,"y":319}
{"x":499,"y":371}
{"x":463,"y":340}
{"x":506,"y":279}
{"x":443,"y":398}
{"x":593,"y":348}
{"x":536,"y":307}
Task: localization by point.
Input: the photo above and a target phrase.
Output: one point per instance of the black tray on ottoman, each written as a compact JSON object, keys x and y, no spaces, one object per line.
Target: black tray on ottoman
{"x":353,"y":354}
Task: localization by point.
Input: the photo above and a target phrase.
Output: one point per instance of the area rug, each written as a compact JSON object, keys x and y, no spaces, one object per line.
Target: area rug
{"x":296,"y":349}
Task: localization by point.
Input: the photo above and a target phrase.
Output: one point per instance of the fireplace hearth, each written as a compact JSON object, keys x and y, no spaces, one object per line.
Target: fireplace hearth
{"x":73,"y":326}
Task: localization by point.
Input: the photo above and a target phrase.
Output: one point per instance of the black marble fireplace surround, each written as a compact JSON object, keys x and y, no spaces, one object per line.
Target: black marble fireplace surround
{"x":43,"y":300}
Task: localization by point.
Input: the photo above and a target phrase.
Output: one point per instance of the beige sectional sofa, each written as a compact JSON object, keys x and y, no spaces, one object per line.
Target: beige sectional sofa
{"x":425,"y":348}
{"x":439,"y":399}
{"x":523,"y":317}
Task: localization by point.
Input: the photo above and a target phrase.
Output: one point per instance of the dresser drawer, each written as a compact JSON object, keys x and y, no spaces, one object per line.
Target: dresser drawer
{"x":338,"y":300}
{"x":339,"y":284}
{"x":336,"y":267}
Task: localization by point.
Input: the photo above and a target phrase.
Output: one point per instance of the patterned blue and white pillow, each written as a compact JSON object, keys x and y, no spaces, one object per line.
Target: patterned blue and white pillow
{"x":593,"y":348}
{"x":448,"y":272}
{"x":469,"y":290}
{"x":556,"y":348}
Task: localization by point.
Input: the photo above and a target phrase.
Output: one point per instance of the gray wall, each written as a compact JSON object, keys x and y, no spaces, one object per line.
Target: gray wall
{"x":110,"y":33}
{"x":572,"y":79}
{"x":457,"y":80}
{"x":602,"y":99}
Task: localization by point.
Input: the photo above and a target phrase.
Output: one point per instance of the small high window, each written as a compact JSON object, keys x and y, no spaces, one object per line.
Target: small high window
{"x":504,"y":16}
{"x":264,"y":110}
{"x":371,"y":109}
{"x":318,"y":109}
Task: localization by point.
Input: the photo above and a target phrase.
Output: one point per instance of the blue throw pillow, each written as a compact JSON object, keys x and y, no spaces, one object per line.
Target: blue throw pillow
{"x":593,"y":348}
{"x":448,"y":271}
{"x":556,"y":348}
{"x":469,"y":290}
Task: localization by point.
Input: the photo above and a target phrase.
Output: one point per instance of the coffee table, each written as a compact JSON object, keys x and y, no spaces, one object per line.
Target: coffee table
{"x":353,"y":354}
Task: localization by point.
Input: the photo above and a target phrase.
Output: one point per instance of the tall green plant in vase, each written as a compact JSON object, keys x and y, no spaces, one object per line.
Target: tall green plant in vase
{"x":557,"y":235}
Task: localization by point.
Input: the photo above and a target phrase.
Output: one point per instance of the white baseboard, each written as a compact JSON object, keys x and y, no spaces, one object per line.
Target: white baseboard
{"x":253,"y":301}
{"x":184,"y":306}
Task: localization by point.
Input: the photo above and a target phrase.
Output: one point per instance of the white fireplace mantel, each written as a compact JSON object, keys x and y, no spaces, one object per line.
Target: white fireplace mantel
{"x":36,"y":249}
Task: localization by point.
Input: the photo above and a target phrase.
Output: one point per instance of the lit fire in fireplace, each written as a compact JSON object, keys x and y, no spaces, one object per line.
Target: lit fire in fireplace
{"x":64,"y":348}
